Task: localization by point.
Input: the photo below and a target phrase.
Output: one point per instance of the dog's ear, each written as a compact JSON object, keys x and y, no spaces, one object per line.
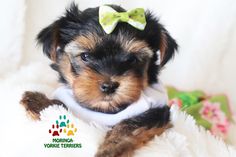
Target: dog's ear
{"x":49,"y":39}
{"x":159,"y":39}
{"x":167,"y":47}
{"x":54,"y":37}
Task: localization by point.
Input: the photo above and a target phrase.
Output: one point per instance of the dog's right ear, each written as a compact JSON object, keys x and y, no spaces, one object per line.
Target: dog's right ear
{"x":54,"y":37}
{"x":49,"y":39}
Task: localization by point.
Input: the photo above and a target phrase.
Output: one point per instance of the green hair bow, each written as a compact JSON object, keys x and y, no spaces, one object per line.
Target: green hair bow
{"x":108,"y":18}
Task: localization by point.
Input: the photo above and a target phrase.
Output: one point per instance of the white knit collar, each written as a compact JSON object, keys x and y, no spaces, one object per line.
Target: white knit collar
{"x":153,"y":96}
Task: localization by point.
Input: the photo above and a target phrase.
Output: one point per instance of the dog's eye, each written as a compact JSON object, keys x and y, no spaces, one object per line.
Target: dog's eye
{"x":85,"y":56}
{"x":132,"y":59}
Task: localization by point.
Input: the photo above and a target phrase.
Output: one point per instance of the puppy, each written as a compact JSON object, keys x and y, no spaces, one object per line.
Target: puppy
{"x":107,"y":72}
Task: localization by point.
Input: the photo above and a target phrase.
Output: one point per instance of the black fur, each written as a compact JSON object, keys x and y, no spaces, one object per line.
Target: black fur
{"x":109,"y":58}
{"x":76,"y":22}
{"x":156,"y":117}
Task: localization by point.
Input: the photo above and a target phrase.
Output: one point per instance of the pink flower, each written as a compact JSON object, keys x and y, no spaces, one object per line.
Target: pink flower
{"x":212,"y":112}
{"x":221,"y":129}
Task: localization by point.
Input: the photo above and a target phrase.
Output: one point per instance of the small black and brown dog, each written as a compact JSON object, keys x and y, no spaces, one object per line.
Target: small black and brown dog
{"x":107,"y":72}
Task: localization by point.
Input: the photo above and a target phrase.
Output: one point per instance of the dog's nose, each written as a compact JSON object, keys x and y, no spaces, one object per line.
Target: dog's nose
{"x":109,"y":87}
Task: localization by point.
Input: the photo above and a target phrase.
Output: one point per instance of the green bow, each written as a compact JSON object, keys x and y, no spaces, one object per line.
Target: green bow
{"x":108,"y":18}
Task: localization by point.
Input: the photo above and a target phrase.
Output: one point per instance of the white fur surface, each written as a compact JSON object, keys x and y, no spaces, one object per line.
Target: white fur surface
{"x":21,"y":137}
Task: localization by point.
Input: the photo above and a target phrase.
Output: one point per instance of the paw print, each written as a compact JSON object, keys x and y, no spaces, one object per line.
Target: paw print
{"x":55,"y":131}
{"x":70,"y":130}
{"x":63,"y":122}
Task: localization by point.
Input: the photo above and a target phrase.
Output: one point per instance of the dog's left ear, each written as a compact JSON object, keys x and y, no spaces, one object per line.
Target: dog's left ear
{"x":167,"y":47}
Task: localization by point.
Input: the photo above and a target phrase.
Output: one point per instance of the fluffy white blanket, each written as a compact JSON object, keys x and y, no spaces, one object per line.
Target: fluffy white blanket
{"x":21,"y":137}
{"x":185,"y":139}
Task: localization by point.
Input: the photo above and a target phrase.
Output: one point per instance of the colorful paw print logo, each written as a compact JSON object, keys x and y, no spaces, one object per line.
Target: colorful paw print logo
{"x":70,"y":130}
{"x":63,"y":121}
{"x":63,"y":125}
{"x":55,"y":130}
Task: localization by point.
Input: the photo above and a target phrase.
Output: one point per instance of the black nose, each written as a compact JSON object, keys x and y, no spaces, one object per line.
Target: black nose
{"x":109,"y":87}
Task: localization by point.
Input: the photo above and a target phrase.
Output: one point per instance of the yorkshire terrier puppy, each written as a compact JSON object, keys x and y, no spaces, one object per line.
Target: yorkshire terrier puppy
{"x":107,"y":72}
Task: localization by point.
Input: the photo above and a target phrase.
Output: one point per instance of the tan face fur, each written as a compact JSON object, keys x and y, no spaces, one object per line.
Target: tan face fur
{"x":86,"y":84}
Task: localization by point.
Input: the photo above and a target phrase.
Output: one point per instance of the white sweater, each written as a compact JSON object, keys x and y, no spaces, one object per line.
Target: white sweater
{"x":153,"y":96}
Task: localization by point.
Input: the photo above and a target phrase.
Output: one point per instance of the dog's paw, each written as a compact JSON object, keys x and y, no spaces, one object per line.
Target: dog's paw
{"x":115,"y":145}
{"x":34,"y":102}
